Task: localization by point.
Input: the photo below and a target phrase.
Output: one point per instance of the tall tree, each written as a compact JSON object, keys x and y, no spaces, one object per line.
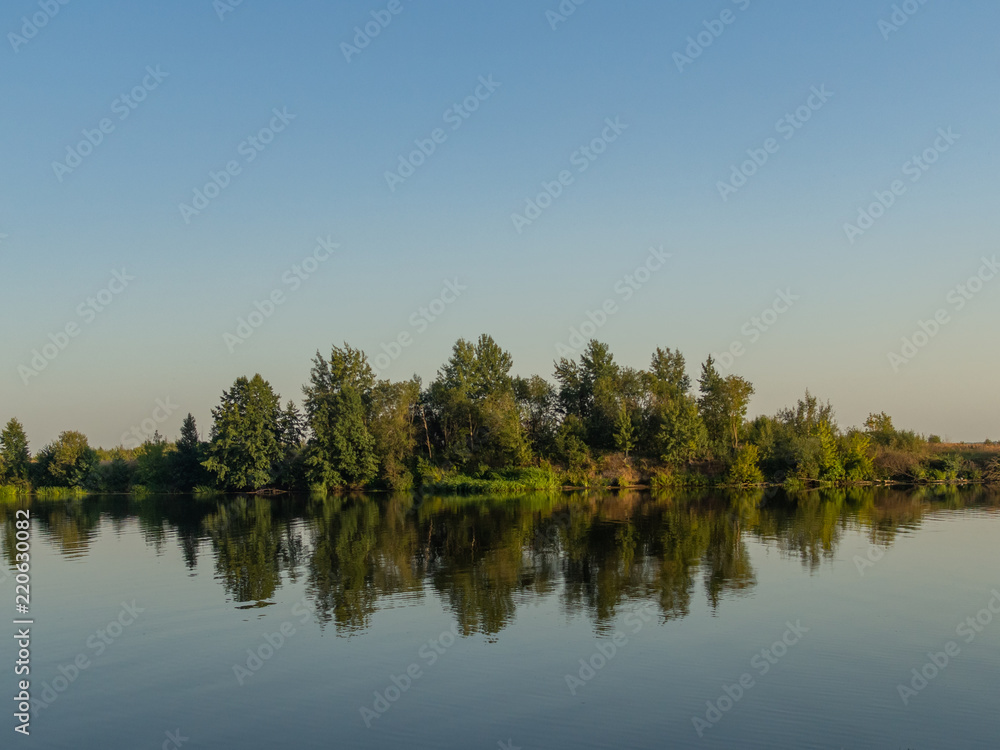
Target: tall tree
{"x":291,"y":426}
{"x":343,"y":450}
{"x":474,"y":406}
{"x":244,"y":446}
{"x":711,"y":403}
{"x":187,"y":470}
{"x":723,"y":404}
{"x":591,"y":389}
{"x":736,"y":394}
{"x":680,"y":433}
{"x":668,"y":369}
{"x":15,"y":458}
{"x":338,"y":401}
{"x":394,"y":431}
{"x":539,"y":404}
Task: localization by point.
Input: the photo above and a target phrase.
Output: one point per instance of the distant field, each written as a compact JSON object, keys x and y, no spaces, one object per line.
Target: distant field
{"x":979,"y":452}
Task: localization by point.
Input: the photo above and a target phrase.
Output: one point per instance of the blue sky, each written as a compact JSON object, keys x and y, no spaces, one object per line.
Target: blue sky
{"x":681,"y":129}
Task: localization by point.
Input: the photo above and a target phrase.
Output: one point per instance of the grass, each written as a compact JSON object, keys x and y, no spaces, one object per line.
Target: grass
{"x":499,"y":482}
{"x":60,"y":493}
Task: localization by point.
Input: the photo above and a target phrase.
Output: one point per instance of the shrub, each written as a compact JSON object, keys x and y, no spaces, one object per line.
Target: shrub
{"x":745,"y":468}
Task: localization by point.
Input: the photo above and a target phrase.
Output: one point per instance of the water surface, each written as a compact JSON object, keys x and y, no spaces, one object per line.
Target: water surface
{"x":623,"y":620}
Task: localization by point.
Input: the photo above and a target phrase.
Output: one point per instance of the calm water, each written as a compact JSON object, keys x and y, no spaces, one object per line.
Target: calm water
{"x":567,"y":621}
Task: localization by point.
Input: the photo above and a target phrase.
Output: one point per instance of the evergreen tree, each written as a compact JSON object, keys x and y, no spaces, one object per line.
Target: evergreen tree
{"x":338,"y":402}
{"x":291,"y":426}
{"x":343,"y":450}
{"x":15,"y":458}
{"x":244,"y":446}
{"x":186,"y":462}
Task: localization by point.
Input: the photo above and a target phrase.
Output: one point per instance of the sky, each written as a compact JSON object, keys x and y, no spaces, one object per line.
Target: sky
{"x":202,"y":190}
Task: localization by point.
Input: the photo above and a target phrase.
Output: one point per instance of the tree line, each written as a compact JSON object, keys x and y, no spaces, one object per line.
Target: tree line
{"x":476,"y":425}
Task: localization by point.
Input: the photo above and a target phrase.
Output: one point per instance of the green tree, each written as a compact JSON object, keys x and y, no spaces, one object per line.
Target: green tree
{"x":571,"y":442}
{"x":745,"y":468}
{"x":539,"y":404}
{"x":879,"y":428}
{"x":592,"y":389}
{"x":393,"y":428}
{"x":723,"y":404}
{"x":711,"y":403}
{"x":343,"y":451}
{"x":577,"y":381}
{"x":291,"y":426}
{"x":624,"y":431}
{"x":68,"y":461}
{"x":680,"y":434}
{"x":807,"y":416}
{"x":857,"y":457}
{"x":186,"y":469}
{"x":244,"y":447}
{"x":474,"y":406}
{"x":338,"y":402}
{"x":15,"y":458}
{"x":669,"y":370}
{"x":154,"y":462}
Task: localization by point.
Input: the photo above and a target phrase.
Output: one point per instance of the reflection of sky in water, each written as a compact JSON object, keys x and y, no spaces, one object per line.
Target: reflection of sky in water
{"x":531,"y":586}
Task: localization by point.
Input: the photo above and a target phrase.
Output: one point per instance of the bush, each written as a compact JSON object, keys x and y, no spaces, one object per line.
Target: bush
{"x":992,"y":472}
{"x":745,"y":468}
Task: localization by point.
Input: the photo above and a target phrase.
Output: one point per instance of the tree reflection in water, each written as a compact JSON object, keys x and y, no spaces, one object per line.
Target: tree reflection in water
{"x":483,"y":557}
